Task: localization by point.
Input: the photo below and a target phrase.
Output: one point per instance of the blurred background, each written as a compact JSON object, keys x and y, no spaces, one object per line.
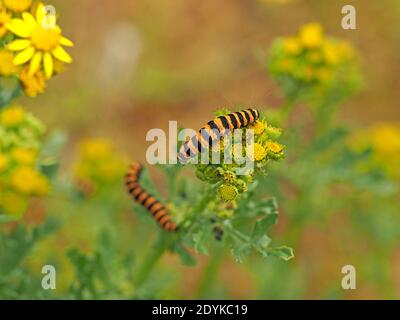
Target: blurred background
{"x":138,"y":64}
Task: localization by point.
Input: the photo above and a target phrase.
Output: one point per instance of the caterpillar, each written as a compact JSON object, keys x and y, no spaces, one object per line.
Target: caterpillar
{"x":148,"y":201}
{"x":214,"y":130}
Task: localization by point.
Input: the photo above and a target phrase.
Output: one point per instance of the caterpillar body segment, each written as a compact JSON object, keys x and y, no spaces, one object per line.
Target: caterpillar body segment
{"x":147,"y":200}
{"x":214,"y":130}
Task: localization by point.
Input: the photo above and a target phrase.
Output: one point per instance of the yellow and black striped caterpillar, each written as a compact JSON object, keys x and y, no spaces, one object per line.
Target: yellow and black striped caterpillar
{"x":214,"y":130}
{"x":141,"y":196}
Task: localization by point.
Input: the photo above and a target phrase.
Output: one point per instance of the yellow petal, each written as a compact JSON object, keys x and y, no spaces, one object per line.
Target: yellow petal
{"x":35,"y":63}
{"x":19,"y":27}
{"x":24,"y":56}
{"x":48,"y":65}
{"x":40,"y":12}
{"x":29,"y":20}
{"x":18,"y":45}
{"x":66,"y":42}
{"x":62,"y":55}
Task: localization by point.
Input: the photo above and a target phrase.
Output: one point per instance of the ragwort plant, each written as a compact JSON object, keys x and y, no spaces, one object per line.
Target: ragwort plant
{"x":225,"y":209}
{"x":31,"y":53}
{"x":351,"y":173}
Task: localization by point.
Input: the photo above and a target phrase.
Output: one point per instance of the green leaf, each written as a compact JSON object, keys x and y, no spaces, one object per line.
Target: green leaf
{"x":262,"y":226}
{"x":240,"y":251}
{"x":282,"y":252}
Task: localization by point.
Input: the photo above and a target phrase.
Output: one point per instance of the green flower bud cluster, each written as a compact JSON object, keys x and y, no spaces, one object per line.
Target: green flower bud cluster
{"x":20,"y":177}
{"x":230,"y":185}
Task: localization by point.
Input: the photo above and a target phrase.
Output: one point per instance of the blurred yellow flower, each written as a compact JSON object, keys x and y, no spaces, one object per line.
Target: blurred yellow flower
{"x":39,"y":43}
{"x":12,"y":116}
{"x":93,"y":149}
{"x":7,"y":67}
{"x":24,"y":156}
{"x":5,"y":18}
{"x":17,"y":5}
{"x":24,"y":179}
{"x":311,"y":35}
{"x":32,"y":84}
{"x":98,"y":164}
{"x":292,"y":45}
{"x":386,"y":139}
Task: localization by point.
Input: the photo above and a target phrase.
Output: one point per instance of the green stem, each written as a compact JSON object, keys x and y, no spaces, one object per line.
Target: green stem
{"x":210,"y":273}
{"x":154,"y":255}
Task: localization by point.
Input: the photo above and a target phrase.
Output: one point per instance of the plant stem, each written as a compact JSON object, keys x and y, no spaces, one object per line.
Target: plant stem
{"x":154,"y":255}
{"x":210,"y":273}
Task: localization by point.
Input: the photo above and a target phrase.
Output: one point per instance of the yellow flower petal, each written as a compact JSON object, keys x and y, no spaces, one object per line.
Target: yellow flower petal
{"x":29,"y":20}
{"x":24,"y":56}
{"x":66,"y":42}
{"x":35,"y":63}
{"x":18,"y":45}
{"x":62,"y":55}
{"x":19,"y":28}
{"x":48,"y":65}
{"x":40,"y":12}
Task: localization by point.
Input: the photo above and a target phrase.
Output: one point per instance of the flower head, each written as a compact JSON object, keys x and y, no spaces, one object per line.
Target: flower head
{"x":32,"y":84}
{"x":256,"y":152}
{"x":24,"y":156}
{"x":26,"y":180}
{"x":258,"y":127}
{"x":7,"y":67}
{"x":311,"y":35}
{"x":227,"y":192}
{"x":17,"y":5}
{"x":39,"y":44}
{"x":12,"y":116}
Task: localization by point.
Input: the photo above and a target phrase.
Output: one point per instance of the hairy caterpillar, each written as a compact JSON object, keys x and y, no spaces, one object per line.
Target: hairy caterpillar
{"x":214,"y":130}
{"x":152,"y":205}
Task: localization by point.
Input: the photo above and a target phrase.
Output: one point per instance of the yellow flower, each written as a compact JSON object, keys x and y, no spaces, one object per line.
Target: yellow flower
{"x":12,"y":116}
{"x":331,"y":53}
{"x":258,"y":127}
{"x":227,"y":192}
{"x":24,"y":179}
{"x":32,"y":84}
{"x":24,"y":156}
{"x":386,"y":139}
{"x":110,"y":170}
{"x":5,"y":18}
{"x":256,"y":152}
{"x":274,"y":147}
{"x":292,"y":45}
{"x":3,"y":162}
{"x":7,"y":67}
{"x":39,"y":43}
{"x":17,"y":5}
{"x":13,"y":204}
{"x":94,"y":149}
{"x":311,"y":35}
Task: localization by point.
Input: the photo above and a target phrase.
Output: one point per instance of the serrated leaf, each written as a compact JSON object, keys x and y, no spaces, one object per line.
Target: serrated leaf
{"x":263,"y":225}
{"x":283,"y":252}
